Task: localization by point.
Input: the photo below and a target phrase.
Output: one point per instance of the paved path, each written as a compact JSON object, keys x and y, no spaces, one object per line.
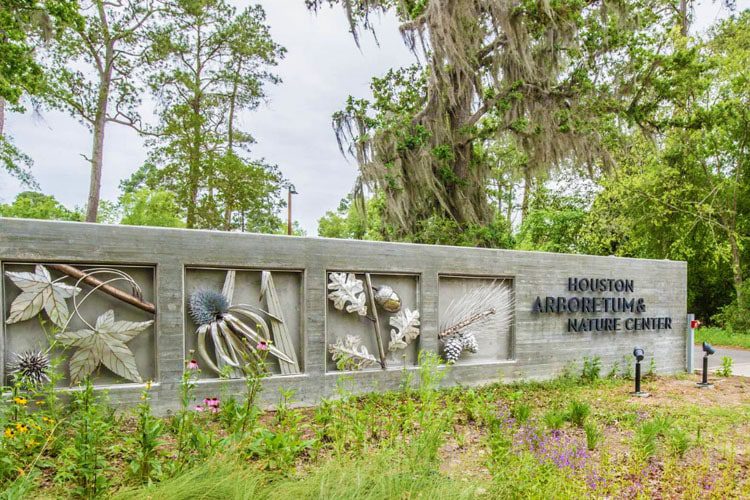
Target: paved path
{"x":740,"y":358}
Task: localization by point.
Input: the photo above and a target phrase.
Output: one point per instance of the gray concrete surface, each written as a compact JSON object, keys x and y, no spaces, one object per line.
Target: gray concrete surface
{"x":740,"y":359}
{"x":540,"y":344}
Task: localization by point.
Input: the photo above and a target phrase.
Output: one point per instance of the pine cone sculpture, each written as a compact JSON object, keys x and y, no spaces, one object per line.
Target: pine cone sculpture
{"x":469,"y":342}
{"x":452,"y":348}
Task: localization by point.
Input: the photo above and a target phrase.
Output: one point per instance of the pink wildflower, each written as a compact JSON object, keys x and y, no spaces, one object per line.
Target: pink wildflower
{"x":199,"y":408}
{"x":262,"y":345}
{"x":192,"y":365}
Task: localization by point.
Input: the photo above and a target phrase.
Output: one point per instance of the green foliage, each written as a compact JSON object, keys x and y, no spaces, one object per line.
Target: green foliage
{"x":26,"y":25}
{"x":554,"y":223}
{"x":593,"y":435}
{"x":146,"y":207}
{"x":554,"y":419}
{"x":726,"y":367}
{"x":649,"y":433}
{"x":592,"y":368}
{"x":211,"y":63}
{"x":679,"y":441}
{"x":33,"y":205}
{"x":521,"y":412}
{"x":85,"y":459}
{"x":577,"y":413}
{"x":145,"y":467}
{"x":720,"y":337}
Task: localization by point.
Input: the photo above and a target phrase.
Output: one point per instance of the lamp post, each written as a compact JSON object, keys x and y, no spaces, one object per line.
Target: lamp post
{"x":707,"y":351}
{"x":290,"y":192}
{"x":639,"y":354}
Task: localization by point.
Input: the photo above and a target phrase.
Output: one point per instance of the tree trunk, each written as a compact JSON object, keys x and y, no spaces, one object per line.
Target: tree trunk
{"x":736,"y":265}
{"x":97,"y":149}
{"x":526,"y":193}
{"x":2,"y":116}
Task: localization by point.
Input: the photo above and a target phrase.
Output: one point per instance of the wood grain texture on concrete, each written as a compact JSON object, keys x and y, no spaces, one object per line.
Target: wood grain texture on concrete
{"x":540,"y":345}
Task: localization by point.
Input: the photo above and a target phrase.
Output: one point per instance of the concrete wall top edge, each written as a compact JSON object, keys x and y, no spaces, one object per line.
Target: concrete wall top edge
{"x":14,"y":233}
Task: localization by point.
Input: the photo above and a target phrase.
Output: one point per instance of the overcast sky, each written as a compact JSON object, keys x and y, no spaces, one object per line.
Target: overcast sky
{"x":322,"y":67}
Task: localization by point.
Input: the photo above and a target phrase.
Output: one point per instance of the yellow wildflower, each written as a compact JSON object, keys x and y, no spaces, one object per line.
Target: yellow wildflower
{"x":32,"y":443}
{"x":39,"y":402}
{"x":148,"y":385}
{"x":9,"y":433}
{"x":20,"y":401}
{"x":22,"y":428}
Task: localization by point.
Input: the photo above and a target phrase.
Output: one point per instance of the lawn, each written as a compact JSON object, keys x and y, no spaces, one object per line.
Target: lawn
{"x":571,"y":437}
{"x":719,"y":336}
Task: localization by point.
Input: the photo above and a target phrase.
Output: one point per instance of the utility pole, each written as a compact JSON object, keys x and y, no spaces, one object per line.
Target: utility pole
{"x":290,"y":192}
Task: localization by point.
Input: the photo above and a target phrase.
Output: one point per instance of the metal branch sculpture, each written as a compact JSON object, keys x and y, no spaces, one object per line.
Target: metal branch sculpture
{"x":102,"y":343}
{"x":485,"y":308}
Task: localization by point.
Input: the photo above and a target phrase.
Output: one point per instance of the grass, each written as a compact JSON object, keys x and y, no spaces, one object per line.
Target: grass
{"x":721,"y":337}
{"x":577,"y":436}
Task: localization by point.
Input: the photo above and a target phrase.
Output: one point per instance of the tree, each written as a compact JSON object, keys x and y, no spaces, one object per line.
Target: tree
{"x":552,"y":78}
{"x":211,"y":65}
{"x":146,"y":207}
{"x":24,"y":26}
{"x":33,"y":205}
{"x":93,"y":74}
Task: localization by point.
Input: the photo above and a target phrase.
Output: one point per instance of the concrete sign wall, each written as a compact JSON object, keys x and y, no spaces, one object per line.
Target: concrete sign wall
{"x":526,"y":314}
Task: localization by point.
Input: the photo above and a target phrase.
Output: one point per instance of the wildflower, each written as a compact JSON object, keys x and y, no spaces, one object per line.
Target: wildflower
{"x":20,"y":401}
{"x":262,"y":346}
{"x":199,"y":408}
{"x":48,"y":420}
{"x":40,"y":402}
{"x":22,"y":428}
{"x":211,"y":402}
{"x":9,"y":433}
{"x":32,"y":443}
{"x":148,"y":384}
{"x":192,"y":365}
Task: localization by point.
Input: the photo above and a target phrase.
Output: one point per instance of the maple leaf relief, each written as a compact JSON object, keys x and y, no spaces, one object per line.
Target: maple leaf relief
{"x":105,"y":344}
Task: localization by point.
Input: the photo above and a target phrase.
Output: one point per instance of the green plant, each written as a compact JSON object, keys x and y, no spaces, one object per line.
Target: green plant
{"x":554,"y":419}
{"x":649,"y":433}
{"x":593,"y":435}
{"x":145,"y":467}
{"x":277,"y":450}
{"x":521,"y":412}
{"x":578,"y":412}
{"x":191,"y":440}
{"x":592,"y":368}
{"x":85,"y":461}
{"x":726,"y":367}
{"x":679,"y":442}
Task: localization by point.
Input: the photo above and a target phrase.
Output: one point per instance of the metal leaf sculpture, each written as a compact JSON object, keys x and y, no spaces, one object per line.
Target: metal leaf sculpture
{"x":348,"y":353}
{"x":406,"y":329}
{"x":104,"y":344}
{"x":347,"y":293}
{"x":237,"y":331}
{"x":487,"y":308}
{"x":40,"y":292}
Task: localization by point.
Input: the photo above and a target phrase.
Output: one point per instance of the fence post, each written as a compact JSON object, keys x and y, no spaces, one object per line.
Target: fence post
{"x":690,"y":343}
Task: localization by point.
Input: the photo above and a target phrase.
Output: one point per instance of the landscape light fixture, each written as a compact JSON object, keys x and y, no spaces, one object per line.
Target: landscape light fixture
{"x":639,"y":354}
{"x":707,"y":351}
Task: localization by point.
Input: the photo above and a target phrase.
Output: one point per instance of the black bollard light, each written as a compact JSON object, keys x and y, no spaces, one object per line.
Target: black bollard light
{"x":707,"y":351}
{"x":639,"y":354}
